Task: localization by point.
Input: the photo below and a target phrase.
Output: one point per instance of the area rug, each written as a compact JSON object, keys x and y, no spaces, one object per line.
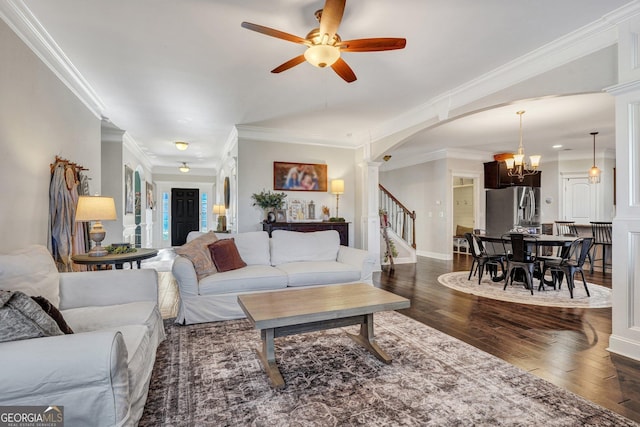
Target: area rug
{"x":209,"y":375}
{"x":600,"y":296}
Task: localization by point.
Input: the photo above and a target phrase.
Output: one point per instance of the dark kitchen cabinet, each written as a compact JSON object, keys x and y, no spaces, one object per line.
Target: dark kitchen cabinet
{"x":497,"y":176}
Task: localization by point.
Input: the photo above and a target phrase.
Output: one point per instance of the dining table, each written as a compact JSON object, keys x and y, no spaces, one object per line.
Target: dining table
{"x":539,"y":240}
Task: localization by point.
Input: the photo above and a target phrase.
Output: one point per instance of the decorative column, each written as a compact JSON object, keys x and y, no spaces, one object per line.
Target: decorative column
{"x":370,"y":206}
{"x":625,"y":336}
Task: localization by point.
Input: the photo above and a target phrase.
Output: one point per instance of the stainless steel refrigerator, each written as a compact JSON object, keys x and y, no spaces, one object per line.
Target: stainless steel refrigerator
{"x":513,"y":208}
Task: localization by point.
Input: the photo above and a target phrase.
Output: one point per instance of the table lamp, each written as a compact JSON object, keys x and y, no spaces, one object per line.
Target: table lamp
{"x":222,"y":219}
{"x":97,"y":209}
{"x":337,"y":188}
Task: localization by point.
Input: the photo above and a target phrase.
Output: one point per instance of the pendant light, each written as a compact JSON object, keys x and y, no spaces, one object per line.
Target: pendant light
{"x":594,"y":172}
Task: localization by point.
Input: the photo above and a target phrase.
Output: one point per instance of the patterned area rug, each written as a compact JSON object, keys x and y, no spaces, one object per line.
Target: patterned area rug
{"x":209,"y":375}
{"x":600,"y":296}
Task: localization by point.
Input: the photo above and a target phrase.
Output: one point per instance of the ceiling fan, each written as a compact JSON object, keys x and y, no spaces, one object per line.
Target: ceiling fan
{"x":324,"y":45}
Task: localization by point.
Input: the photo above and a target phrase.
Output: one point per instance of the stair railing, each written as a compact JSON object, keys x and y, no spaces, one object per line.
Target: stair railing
{"x":401,"y":220}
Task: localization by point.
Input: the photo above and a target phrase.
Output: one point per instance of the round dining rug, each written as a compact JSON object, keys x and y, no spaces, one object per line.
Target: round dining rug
{"x":600,"y":296}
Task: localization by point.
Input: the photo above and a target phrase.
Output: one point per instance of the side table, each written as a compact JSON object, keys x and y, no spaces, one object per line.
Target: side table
{"x":116,"y":259}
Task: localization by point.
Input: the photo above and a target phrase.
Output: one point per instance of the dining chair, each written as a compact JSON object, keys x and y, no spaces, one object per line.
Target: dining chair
{"x":570,"y":264}
{"x":521,"y":258}
{"x":601,"y":237}
{"x":566,"y":228}
{"x":482,"y":260}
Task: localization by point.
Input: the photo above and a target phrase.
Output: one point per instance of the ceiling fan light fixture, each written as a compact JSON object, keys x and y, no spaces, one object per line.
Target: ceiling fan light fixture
{"x":184,"y":168}
{"x":322,"y":55}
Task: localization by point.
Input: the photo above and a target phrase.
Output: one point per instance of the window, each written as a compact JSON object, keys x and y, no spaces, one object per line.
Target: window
{"x":165,"y":216}
{"x":203,"y":212}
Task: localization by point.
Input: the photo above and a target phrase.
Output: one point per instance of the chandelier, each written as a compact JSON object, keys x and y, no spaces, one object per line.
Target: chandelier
{"x":594,"y":172}
{"x":517,"y":165}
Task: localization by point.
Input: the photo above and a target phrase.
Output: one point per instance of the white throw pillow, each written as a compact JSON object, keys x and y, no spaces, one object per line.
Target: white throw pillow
{"x":31,"y":270}
{"x":253,"y":246}
{"x":294,"y":246}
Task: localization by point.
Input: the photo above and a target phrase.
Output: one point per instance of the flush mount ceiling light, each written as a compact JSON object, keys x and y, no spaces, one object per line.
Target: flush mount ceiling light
{"x":184,"y":168}
{"x":181,"y":145}
{"x":517,"y":166}
{"x":594,"y":172}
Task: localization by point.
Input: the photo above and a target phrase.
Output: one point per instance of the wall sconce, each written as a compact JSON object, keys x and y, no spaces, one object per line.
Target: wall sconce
{"x":222,"y":219}
{"x":337,"y":188}
{"x":181,"y":145}
{"x":97,"y":209}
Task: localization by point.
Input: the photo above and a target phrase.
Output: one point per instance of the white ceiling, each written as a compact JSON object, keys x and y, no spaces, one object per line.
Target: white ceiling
{"x":170,"y":70}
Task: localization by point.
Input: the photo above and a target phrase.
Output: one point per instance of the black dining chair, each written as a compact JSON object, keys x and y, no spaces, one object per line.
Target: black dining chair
{"x":482,"y":260}
{"x":570,"y":264}
{"x":601,"y":237}
{"x":521,"y":258}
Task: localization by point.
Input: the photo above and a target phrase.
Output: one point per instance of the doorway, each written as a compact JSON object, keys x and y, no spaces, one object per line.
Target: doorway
{"x":185,"y":214}
{"x":465,"y":207}
{"x":578,"y":199}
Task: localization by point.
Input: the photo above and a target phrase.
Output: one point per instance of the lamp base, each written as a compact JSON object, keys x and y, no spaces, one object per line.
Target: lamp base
{"x":98,"y":250}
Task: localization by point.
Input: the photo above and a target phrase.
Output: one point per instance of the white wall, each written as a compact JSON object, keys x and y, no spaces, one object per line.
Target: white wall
{"x":39,"y":119}
{"x":255,"y":173}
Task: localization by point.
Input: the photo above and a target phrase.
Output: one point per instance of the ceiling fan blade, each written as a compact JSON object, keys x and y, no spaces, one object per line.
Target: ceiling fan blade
{"x":343,"y":70}
{"x":331,"y":17}
{"x":274,"y":33}
{"x":372,"y":45}
{"x":289,"y":64}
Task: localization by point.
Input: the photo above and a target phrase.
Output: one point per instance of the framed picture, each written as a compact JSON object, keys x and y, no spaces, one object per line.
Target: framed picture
{"x":129,"y":196}
{"x":281,"y":215}
{"x":299,"y":176}
{"x":149,"y":195}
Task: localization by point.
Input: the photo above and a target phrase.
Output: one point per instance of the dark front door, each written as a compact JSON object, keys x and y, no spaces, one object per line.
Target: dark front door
{"x":184,"y":214}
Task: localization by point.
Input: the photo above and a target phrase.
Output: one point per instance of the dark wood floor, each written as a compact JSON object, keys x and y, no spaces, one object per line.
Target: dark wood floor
{"x":564,"y":346}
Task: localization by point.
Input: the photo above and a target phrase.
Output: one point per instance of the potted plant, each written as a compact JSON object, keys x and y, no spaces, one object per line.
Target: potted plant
{"x":268,"y":201}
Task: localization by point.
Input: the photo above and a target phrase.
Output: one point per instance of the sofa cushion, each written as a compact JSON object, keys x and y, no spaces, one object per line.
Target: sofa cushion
{"x":253,"y":246}
{"x":294,"y":246}
{"x":319,"y":273}
{"x":22,"y":318}
{"x":30,"y":270}
{"x":225,"y":256}
{"x":247,"y":279}
{"x":85,"y":319}
{"x":197,"y":252}
{"x":54,"y":313}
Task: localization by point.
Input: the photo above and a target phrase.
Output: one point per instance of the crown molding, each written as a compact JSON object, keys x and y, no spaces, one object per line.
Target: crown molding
{"x":577,"y":44}
{"x":286,"y":136}
{"x":22,"y":21}
{"x":131,"y":144}
{"x":445,"y":153}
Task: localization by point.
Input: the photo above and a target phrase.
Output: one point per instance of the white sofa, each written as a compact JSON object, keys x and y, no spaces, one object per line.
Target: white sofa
{"x":101,"y":372}
{"x":287,"y":260}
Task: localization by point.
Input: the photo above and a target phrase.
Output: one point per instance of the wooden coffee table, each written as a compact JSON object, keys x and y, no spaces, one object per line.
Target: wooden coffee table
{"x":289,"y":312}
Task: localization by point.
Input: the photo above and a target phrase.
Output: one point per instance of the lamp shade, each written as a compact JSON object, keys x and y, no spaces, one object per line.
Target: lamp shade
{"x":337,"y":186}
{"x":218,"y":210}
{"x":96,"y":208}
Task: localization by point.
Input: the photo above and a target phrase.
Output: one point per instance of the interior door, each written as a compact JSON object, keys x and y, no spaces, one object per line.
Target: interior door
{"x":185,"y":214}
{"x":577,"y":200}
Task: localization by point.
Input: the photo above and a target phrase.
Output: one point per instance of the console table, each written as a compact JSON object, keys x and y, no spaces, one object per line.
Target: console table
{"x":341,"y":227}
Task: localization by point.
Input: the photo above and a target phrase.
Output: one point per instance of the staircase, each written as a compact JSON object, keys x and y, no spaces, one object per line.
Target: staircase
{"x":401,"y":230}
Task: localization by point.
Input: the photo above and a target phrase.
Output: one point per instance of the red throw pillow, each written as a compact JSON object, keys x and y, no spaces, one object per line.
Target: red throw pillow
{"x":225,"y":255}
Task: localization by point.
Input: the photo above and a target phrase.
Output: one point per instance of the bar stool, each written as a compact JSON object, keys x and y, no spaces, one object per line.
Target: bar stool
{"x":601,"y":237}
